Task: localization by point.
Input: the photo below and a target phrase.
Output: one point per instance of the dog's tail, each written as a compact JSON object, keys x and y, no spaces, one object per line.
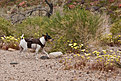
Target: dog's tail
{"x":22,"y":37}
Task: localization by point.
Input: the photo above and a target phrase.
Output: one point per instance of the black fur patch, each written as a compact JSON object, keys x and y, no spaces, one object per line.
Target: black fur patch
{"x":29,"y":44}
{"x":33,"y":41}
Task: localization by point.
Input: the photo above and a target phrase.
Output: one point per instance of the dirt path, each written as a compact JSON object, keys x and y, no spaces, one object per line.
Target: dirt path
{"x":29,"y":69}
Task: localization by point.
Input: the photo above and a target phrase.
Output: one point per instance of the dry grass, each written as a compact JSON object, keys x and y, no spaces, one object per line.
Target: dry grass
{"x":100,"y":65}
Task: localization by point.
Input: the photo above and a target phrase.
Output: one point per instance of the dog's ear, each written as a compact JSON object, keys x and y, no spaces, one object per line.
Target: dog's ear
{"x":46,"y":33}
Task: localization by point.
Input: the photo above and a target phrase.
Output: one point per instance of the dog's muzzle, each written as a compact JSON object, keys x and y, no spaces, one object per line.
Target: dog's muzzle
{"x":50,"y":40}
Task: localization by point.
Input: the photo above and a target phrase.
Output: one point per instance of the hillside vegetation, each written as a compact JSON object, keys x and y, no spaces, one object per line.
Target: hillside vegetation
{"x":84,"y":33}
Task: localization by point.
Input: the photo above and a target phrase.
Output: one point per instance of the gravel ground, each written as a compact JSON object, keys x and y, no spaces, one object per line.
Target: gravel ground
{"x":29,"y":69}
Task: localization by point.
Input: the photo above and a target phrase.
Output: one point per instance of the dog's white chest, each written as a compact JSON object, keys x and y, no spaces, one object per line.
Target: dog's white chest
{"x":42,"y":40}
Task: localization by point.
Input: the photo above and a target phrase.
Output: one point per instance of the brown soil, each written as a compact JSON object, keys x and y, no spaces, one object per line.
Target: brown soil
{"x":30,"y":69}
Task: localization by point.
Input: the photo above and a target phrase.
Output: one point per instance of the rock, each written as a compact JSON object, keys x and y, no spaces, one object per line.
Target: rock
{"x":11,"y":49}
{"x":44,"y":57}
{"x":87,"y":72}
{"x":55,"y":54}
{"x":12,"y":63}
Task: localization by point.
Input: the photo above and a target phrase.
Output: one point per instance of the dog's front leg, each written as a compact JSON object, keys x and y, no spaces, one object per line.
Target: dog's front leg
{"x":45,"y":52}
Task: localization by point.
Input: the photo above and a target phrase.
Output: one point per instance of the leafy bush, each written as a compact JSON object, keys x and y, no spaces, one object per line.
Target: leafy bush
{"x":116,"y":28}
{"x":77,"y":25}
{"x":111,"y":40}
{"x":5,"y":27}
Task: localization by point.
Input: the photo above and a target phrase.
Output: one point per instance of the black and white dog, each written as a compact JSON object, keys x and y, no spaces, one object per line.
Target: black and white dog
{"x":36,"y":44}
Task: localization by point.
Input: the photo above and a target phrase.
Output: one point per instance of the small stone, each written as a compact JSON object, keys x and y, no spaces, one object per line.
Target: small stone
{"x":79,"y":75}
{"x":87,"y":72}
{"x":13,"y":65}
{"x":47,"y":80}
{"x":80,"y":72}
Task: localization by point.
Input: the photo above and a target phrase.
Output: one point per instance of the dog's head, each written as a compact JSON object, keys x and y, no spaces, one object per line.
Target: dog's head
{"x":48,"y":37}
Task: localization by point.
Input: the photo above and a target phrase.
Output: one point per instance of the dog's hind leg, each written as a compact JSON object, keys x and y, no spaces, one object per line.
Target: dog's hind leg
{"x":21,"y":49}
{"x":36,"y":51}
{"x":24,"y":50}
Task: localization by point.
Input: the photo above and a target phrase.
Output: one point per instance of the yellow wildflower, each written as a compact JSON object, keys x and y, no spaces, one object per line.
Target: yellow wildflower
{"x":75,"y":44}
{"x":85,"y":54}
{"x":98,"y":57}
{"x":94,"y":52}
{"x":98,"y":52}
{"x":74,"y":55}
{"x":104,"y":51}
{"x":112,"y":57}
{"x":114,"y":53}
{"x":78,"y":54}
{"x":119,"y":35}
{"x":119,"y":40}
{"x":8,"y":40}
{"x":82,"y":56}
{"x":15,"y":45}
{"x":2,"y":38}
{"x":68,"y":41}
{"x":100,"y":60}
{"x":112,"y":60}
{"x":117,"y":59}
{"x":83,"y":50}
{"x":106,"y":55}
{"x":89,"y":53}
{"x":118,"y":56}
{"x":111,"y":50}
{"x":82,"y":44}
{"x":107,"y":63}
{"x":69,"y":59}
{"x":7,"y":37}
{"x":76,"y":47}
{"x":109,"y":34}
{"x":88,"y":58}
{"x":70,"y":44}
{"x":108,"y":60}
{"x":111,"y":64}
{"x":118,"y":51}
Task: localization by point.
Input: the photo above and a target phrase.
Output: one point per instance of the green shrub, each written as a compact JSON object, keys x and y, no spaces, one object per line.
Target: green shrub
{"x":116,"y":28}
{"x":5,"y":27}
{"x":77,"y":25}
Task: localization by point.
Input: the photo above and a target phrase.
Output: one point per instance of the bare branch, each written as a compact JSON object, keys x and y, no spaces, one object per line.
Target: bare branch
{"x":49,"y":13}
{"x":20,"y":16}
